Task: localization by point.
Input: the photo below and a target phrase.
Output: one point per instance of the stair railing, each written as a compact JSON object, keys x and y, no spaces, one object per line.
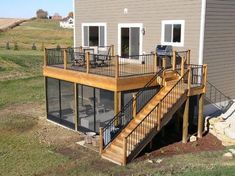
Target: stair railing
{"x":133,"y":140}
{"x":218,"y":98}
{"x":135,"y":105}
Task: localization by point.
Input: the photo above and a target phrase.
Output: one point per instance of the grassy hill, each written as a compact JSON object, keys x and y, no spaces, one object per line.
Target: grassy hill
{"x":21,"y":70}
{"x":38,"y":32}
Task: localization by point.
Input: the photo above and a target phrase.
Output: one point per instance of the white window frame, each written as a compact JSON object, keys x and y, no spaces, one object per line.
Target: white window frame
{"x":172,"y":22}
{"x":92,"y":25}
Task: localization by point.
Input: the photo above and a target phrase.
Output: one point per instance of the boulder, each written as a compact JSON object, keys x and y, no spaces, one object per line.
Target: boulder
{"x":193,"y":139}
{"x":228,"y":156}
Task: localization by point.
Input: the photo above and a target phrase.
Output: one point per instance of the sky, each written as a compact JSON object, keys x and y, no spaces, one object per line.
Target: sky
{"x":28,"y":8}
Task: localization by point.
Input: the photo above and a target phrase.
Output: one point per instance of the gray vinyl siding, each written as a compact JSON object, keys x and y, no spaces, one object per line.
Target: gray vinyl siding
{"x":150,"y":13}
{"x":219,"y":44}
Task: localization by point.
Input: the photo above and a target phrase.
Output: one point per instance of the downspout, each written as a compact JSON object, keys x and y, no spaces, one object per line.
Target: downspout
{"x":202,"y":31}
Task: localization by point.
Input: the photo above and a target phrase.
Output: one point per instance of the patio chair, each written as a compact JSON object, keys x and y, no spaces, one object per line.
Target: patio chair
{"x":79,"y":59}
{"x":103,"y":56}
{"x":93,"y":58}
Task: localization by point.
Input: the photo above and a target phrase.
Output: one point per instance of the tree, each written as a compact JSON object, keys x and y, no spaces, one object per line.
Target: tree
{"x":42,"y":14}
{"x":70,"y":14}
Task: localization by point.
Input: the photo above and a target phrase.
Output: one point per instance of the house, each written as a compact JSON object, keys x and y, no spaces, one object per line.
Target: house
{"x":56,"y":16}
{"x":67,"y":22}
{"x":114,"y":83}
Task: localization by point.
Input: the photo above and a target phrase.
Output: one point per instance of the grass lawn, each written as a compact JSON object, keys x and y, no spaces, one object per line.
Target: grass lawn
{"x":38,"y":32}
{"x":29,"y":145}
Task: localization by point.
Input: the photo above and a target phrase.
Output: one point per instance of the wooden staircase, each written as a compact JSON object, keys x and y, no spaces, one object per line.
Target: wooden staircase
{"x":149,"y":121}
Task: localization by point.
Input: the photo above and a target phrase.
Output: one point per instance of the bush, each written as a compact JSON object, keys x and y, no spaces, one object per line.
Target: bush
{"x":8,"y":46}
{"x":58,"y":47}
{"x":16,"y":46}
{"x":41,"y":14}
{"x":42,"y":46}
{"x":34,"y":47}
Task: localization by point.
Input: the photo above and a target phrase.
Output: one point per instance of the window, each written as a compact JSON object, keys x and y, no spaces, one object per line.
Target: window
{"x":60,"y":102}
{"x":94,"y":34}
{"x":173,"y":33}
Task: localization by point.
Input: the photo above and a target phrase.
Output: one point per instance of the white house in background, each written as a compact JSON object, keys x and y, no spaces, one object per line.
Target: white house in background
{"x":67,"y":22}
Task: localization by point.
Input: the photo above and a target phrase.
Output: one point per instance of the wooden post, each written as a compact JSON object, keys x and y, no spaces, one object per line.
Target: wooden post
{"x":45,"y":57}
{"x":164,"y":62}
{"x":87,"y":62}
{"x":200,"y":116}
{"x":124,"y":151}
{"x":188,"y":56}
{"x":134,"y":106}
{"x":80,"y":49}
{"x":65,"y":59}
{"x":174,"y":60}
{"x":159,"y":116}
{"x":112,"y":50}
{"x":117,"y":100}
{"x":182,"y":66}
{"x":76,"y":106}
{"x":117,"y":67}
{"x":117,"y":105}
{"x":101,"y":140}
{"x":205,"y":68}
{"x":185,"y":122}
{"x":189,"y":80}
{"x":155,"y":62}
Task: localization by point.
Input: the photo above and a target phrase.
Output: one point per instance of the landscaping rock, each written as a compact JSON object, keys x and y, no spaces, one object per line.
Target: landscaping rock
{"x":159,"y":161}
{"x":150,"y":161}
{"x":232,"y":151}
{"x":228,"y":156}
{"x":193,"y":139}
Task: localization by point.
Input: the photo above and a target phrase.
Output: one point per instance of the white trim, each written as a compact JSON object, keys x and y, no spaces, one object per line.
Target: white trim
{"x":202,"y":31}
{"x":182,"y":23}
{"x":74,"y":23}
{"x":95,"y":24}
{"x":129,"y":25}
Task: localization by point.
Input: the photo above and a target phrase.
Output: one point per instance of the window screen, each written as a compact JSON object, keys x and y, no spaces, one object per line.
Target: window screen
{"x":168,"y":33}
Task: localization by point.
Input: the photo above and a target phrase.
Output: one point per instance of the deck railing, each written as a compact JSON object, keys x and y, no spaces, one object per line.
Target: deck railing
{"x":129,"y":111}
{"x":101,"y":62}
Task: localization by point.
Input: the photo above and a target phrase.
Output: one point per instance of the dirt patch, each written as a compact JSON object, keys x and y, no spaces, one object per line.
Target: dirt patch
{"x":207,"y":143}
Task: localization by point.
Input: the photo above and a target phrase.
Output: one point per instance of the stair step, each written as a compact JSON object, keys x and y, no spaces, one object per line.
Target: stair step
{"x":114,"y":157}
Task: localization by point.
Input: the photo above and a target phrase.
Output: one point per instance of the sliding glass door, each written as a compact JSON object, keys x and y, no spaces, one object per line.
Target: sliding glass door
{"x":60,"y":102}
{"x":130,"y":42}
{"x":95,"y":108}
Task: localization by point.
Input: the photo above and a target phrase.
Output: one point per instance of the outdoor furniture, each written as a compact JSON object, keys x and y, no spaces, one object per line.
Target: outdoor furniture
{"x":93,"y":62}
{"x":103,"y":56}
{"x":79,"y":59}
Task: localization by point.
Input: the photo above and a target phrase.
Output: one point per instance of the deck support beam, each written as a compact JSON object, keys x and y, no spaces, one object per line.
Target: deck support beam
{"x":200,"y":116}
{"x":75,"y":106}
{"x":185,"y":122}
{"x":117,"y":102}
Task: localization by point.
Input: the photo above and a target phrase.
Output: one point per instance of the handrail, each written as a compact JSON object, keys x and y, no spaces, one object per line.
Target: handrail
{"x":223,"y":102}
{"x":157,"y":112}
{"x":122,"y":119}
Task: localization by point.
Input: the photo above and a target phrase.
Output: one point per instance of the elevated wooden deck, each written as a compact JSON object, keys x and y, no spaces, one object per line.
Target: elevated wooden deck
{"x":115,"y":74}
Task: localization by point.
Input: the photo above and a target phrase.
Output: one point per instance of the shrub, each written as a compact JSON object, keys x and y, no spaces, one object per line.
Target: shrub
{"x":16,"y":46}
{"x":8,"y":46}
{"x":42,"y":14}
{"x":42,"y":46}
{"x":34,"y":47}
{"x":58,"y":47}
